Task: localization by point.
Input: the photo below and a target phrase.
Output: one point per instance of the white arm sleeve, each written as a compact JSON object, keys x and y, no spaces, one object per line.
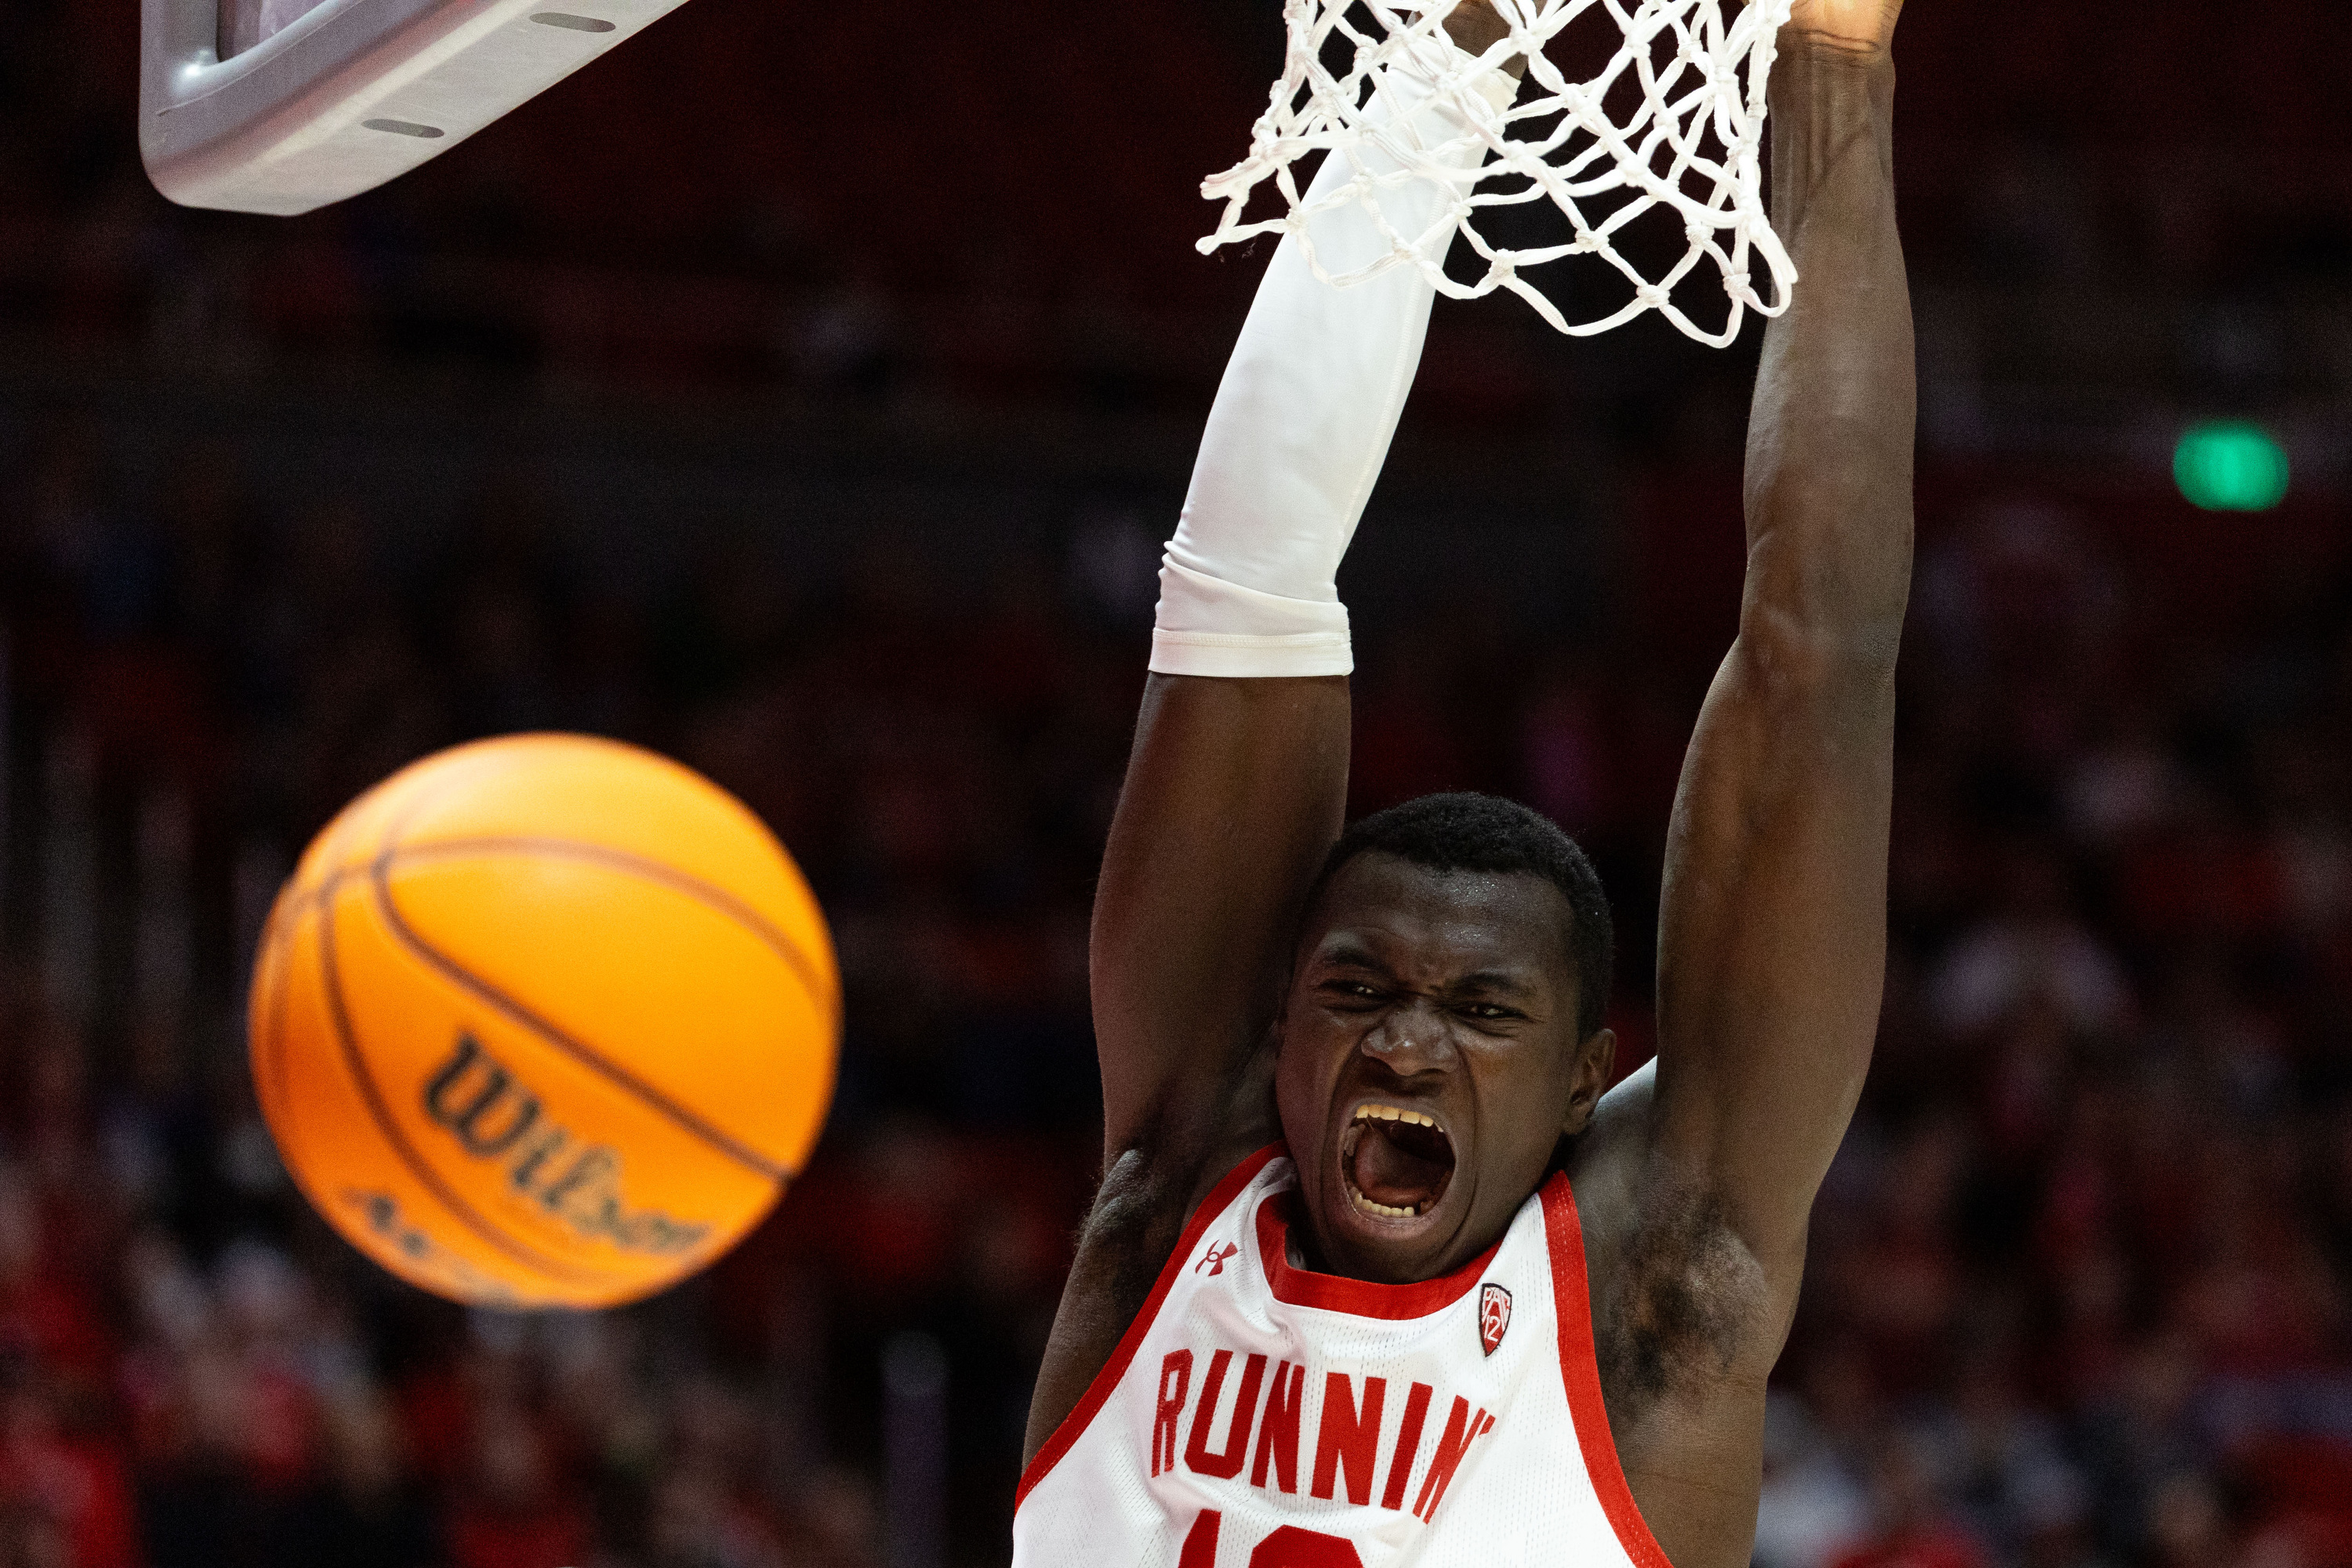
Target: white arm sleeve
{"x":1299,"y":432}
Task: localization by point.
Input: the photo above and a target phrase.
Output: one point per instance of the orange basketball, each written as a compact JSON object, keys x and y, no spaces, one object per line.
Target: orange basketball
{"x":544,"y":1021}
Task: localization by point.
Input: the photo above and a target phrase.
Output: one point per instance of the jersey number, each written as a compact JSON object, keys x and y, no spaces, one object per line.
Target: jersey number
{"x":1289,"y":1547}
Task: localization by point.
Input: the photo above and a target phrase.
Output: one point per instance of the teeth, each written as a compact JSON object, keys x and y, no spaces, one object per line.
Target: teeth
{"x":1385,"y":1210}
{"x":1375,"y":1112}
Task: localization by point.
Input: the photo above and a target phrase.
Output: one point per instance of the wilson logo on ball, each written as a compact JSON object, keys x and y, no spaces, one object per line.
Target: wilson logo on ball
{"x":494,"y":1116}
{"x":544,"y":1021}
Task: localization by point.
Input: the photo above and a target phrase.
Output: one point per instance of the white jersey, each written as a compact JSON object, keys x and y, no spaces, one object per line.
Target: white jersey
{"x":1260,"y":1415}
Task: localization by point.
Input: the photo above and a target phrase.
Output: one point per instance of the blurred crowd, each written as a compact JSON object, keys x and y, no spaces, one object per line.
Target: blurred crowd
{"x":194,"y":687}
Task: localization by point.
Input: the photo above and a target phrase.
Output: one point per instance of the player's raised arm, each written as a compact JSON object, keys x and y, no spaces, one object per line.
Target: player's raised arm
{"x":1238,"y":780}
{"x":1772,"y":930}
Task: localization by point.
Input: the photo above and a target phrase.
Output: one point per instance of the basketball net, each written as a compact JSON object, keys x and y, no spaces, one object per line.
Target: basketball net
{"x":1688,"y":147}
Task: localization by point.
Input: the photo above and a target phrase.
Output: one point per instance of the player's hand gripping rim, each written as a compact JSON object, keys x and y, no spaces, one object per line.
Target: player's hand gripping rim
{"x":1863,"y":27}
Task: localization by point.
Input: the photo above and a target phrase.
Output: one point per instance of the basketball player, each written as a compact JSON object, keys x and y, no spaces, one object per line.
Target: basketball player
{"x":1377,"y":1274}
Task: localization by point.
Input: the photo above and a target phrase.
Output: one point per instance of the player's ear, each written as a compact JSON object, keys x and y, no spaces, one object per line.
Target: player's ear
{"x":1596,"y":1060}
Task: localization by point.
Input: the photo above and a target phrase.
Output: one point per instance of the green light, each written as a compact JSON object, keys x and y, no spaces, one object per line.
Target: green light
{"x":2230,"y":465}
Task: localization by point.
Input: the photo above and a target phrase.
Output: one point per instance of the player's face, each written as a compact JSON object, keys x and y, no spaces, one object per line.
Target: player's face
{"x":1429,"y":1062}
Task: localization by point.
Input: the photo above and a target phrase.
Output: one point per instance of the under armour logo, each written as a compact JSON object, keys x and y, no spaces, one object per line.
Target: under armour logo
{"x":1213,"y":1260}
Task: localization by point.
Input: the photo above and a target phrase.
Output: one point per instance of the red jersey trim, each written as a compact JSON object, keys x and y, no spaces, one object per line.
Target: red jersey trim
{"x":1362,"y":1298}
{"x":1579,"y":1368}
{"x":1074,"y":1425}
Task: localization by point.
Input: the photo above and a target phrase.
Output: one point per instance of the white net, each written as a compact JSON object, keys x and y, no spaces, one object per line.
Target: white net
{"x":1673,"y":125}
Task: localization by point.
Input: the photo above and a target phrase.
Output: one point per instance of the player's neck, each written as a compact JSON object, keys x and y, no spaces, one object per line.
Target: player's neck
{"x":1305,"y":1249}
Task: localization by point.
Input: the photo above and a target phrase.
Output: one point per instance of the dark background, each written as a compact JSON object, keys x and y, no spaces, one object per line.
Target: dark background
{"x":804,"y":391}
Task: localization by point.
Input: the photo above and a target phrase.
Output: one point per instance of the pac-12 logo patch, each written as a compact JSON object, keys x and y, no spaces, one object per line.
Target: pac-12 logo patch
{"x":1494,"y":1316}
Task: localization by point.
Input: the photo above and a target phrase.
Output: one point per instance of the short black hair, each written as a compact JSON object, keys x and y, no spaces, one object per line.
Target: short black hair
{"x":1463,"y":831}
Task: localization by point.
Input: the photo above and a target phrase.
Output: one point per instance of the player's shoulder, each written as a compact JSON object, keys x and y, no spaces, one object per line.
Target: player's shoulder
{"x":1678,"y":1299}
{"x":1154,"y":1181}
{"x":1605,"y":1163}
{"x":1144,"y":1200}
{"x":1154,"y":1186}
{"x":1149,"y":1194}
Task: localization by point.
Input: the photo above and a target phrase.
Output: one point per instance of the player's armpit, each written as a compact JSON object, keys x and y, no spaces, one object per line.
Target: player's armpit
{"x":1686,"y":1327}
{"x":1772,"y":928}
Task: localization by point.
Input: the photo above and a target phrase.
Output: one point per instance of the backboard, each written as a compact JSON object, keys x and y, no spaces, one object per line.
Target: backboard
{"x":281,"y":106}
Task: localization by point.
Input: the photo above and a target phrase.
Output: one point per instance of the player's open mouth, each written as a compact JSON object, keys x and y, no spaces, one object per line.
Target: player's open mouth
{"x":1395,"y":1162}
